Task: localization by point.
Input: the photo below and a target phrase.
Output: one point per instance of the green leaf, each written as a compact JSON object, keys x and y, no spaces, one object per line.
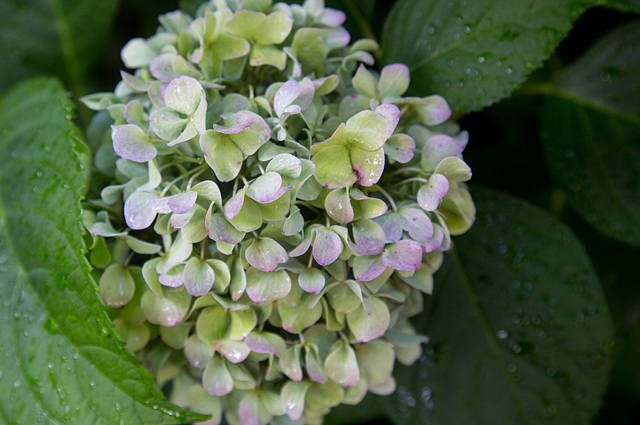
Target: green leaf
{"x":62,"y":362}
{"x":474,"y":53}
{"x":518,"y":327}
{"x":591,"y":129}
{"x":595,"y":160}
{"x":606,"y":76}
{"x":53,"y":37}
{"x":623,"y":5}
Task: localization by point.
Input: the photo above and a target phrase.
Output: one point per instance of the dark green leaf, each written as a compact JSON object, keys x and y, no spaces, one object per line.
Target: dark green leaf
{"x":61,"y":362}
{"x":518,"y":326}
{"x":475,"y":52}
{"x":61,"y":37}
{"x":607,"y":76}
{"x":591,"y":134}
{"x":596,"y":160}
{"x":623,"y":5}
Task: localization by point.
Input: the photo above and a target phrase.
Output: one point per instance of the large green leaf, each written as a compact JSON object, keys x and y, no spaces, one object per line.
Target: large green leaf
{"x":475,"y":52}
{"x":518,"y":326}
{"x":591,"y":134}
{"x":61,"y":37}
{"x":61,"y":362}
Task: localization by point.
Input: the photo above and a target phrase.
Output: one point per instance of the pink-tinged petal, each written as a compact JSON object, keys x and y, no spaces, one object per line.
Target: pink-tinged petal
{"x":366,"y":327}
{"x":311,"y":280}
{"x":160,"y":205}
{"x":394,"y":81}
{"x":367,"y":165}
{"x":198,"y":277}
{"x":392,"y":225}
{"x":332,"y":17}
{"x":265,"y":343}
{"x":234,"y":124}
{"x":249,"y":409}
{"x":130,"y":142}
{"x":369,"y":237}
{"x":293,"y":395}
{"x":436,"y":240}
{"x":182,"y":202}
{"x":105,"y":230}
{"x":216,"y":379}
{"x":326,"y":85}
{"x":178,"y":221}
{"x":162,"y":67}
{"x":327,"y":246}
{"x":430,"y":194}
{"x":368,"y":267}
{"x":417,"y":223}
{"x":436,"y":110}
{"x":173,"y":278}
{"x":303,"y":247}
{"x":234,"y":205}
{"x":285,"y":96}
{"x":233,"y":351}
{"x":137,"y":213}
{"x":307,"y":91}
{"x":225,"y":230}
{"x":265,"y":188}
{"x":184,"y":95}
{"x":400,"y":147}
{"x":338,"y":38}
{"x":338,"y":206}
{"x":391,"y":113}
{"x":341,"y":364}
{"x":265,"y":254}
{"x":438,"y":147}
{"x":403,"y":255}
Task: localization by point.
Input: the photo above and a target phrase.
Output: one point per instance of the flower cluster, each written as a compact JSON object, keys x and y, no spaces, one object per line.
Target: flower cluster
{"x":269,"y":210}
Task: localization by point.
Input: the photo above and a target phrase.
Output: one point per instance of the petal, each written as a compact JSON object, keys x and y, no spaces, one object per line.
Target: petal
{"x":265,"y":254}
{"x":130,"y":142}
{"x":137,"y":213}
{"x":332,"y":17}
{"x":264,"y":288}
{"x":184,"y":95}
{"x":438,"y":147}
{"x":391,"y":113}
{"x":394,"y":81}
{"x":368,"y":165}
{"x":198,"y":277}
{"x":366,"y":327}
{"x":167,"y":124}
{"x":430,"y":194}
{"x":341,"y":364}
{"x":364,"y":82}
{"x":161,"y":67}
{"x":250,"y":139}
{"x":234,"y":124}
{"x":403,"y":255}
{"x":285,"y":96}
{"x":392,"y":224}
{"x":367,"y":129}
{"x":234,"y":205}
{"x":327,"y":246}
{"x":434,"y":111}
{"x":369,"y":237}
{"x":368,"y":267}
{"x":338,"y":206}
{"x":311,"y":280}
{"x":222,"y":155}
{"x":265,"y":188}
{"x":417,"y":224}
{"x":333,"y":167}
{"x":183,"y":202}
{"x":400,"y":147}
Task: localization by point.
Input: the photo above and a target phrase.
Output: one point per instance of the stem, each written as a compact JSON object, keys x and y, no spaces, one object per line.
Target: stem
{"x":409,"y":180}
{"x":177,"y":179}
{"x":389,"y":198}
